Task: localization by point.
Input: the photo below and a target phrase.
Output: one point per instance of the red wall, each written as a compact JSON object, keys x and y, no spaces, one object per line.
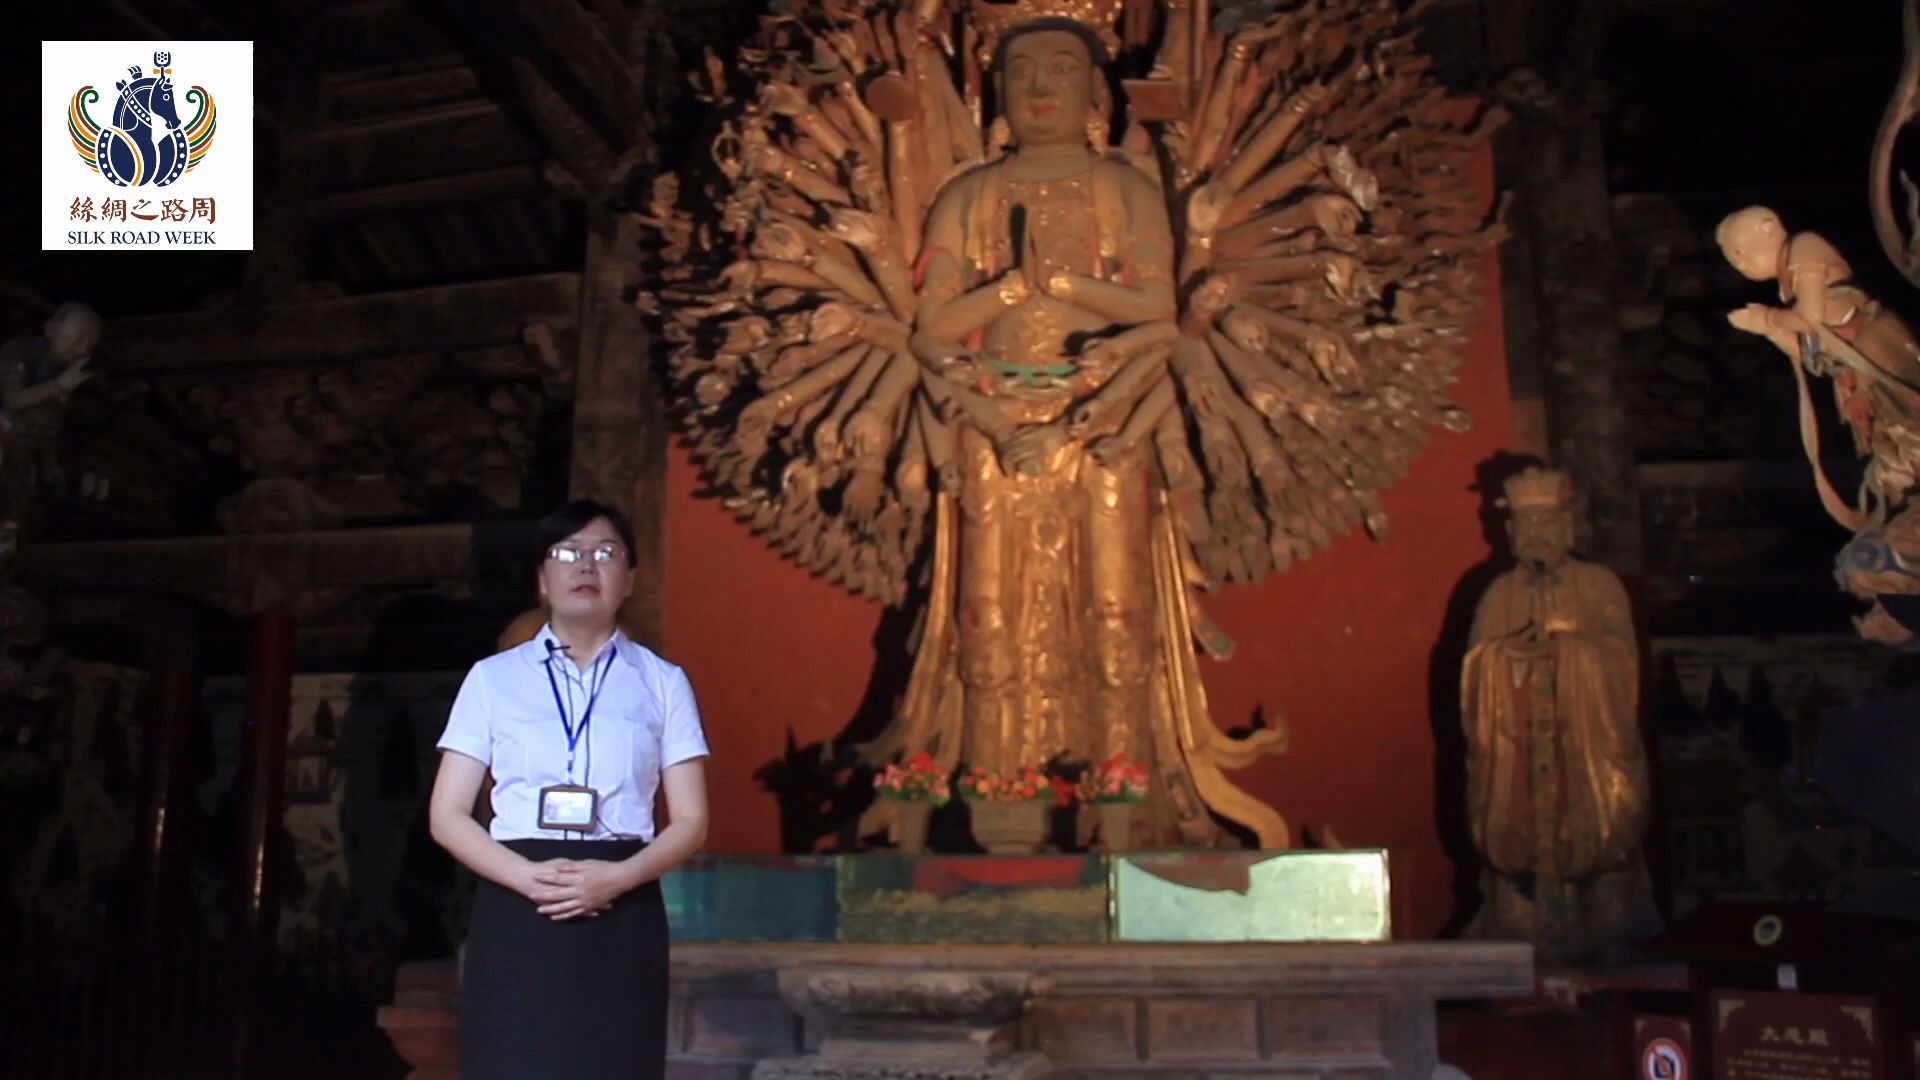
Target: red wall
{"x":1341,"y":645}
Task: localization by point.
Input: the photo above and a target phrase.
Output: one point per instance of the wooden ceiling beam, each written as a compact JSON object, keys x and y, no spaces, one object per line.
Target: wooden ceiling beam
{"x":339,"y":558}
{"x":411,"y":320}
{"x":365,"y":92}
{"x":506,"y":182}
{"x":446,"y":115}
{"x":415,"y":145}
{"x":573,"y":52}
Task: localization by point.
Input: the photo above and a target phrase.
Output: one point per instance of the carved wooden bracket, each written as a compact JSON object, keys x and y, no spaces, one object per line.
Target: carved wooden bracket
{"x":583,"y":76}
{"x":311,"y":570}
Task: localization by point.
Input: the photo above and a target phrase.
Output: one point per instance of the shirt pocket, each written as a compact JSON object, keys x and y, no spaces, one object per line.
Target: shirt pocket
{"x":643,"y":726}
{"x":614,"y":747}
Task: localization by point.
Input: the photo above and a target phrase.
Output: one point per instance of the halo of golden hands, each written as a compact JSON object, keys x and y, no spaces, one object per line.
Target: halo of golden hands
{"x":1329,"y":237}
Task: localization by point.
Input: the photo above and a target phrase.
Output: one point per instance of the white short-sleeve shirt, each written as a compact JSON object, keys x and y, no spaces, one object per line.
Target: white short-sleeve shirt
{"x":643,"y":721}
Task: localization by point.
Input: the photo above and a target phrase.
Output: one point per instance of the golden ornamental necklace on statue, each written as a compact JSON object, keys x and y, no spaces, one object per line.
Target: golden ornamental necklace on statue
{"x":571,"y":807}
{"x":1057,"y":223}
{"x":1046,"y":227}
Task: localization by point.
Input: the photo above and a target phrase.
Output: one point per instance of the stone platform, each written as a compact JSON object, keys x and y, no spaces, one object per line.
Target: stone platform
{"x":1171,"y":964}
{"x":1105,"y":1011}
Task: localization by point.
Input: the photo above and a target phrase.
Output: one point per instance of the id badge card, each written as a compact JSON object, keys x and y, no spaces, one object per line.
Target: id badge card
{"x":569,"y":807}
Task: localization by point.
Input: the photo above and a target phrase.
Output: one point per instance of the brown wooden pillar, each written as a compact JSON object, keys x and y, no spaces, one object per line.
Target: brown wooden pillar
{"x":263,"y":749}
{"x":1566,"y":352}
{"x":170,"y":658}
{"x":598,"y":123}
{"x":619,"y":418}
{"x":289,"y":87}
{"x":1563,"y":204}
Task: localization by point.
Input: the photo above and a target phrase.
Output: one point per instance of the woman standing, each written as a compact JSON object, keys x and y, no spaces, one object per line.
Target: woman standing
{"x":566,"y":964}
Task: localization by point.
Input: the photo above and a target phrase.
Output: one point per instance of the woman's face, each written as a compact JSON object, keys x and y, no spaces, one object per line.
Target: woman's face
{"x":586,"y":576}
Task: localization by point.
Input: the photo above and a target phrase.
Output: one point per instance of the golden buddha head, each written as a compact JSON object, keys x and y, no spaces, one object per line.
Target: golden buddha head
{"x":1540,"y":522}
{"x":1751,"y":240}
{"x":998,"y":21}
{"x":1050,"y":79}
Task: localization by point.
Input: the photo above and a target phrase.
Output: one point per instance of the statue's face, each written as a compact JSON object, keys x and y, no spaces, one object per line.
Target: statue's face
{"x":72,"y":336}
{"x":1047,"y":83}
{"x":1752,"y":245}
{"x":1541,"y":539}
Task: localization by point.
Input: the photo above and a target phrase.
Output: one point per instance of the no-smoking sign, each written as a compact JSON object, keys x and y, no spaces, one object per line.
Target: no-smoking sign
{"x":1663,"y":1060}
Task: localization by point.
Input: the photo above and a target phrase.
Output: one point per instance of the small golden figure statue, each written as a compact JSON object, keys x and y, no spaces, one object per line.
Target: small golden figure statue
{"x":1557,"y":781}
{"x":38,"y":377}
{"x":1830,"y":327}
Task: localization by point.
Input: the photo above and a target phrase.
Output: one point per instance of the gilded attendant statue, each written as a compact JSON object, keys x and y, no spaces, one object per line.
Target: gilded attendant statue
{"x":1557,"y":782}
{"x":1828,"y":326}
{"x":38,"y":377}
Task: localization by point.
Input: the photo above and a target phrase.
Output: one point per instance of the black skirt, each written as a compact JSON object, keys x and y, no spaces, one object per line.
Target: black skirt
{"x":581,"y":999}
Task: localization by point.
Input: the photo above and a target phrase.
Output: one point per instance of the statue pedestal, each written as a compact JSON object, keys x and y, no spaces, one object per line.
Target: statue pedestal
{"x":1099,"y":1011}
{"x":1168,"y":965}
{"x":423,"y":1023}
{"x":879,"y":1024}
{"x":1111,"y":1011}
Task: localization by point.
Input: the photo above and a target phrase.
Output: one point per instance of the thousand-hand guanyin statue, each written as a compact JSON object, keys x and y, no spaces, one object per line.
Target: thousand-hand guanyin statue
{"x":1043,"y":315}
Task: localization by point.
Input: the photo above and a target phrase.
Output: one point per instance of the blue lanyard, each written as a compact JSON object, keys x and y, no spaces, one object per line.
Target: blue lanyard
{"x":566,"y":722}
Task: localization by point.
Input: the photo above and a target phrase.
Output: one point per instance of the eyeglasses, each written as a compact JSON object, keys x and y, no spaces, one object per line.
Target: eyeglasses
{"x":602,"y":553}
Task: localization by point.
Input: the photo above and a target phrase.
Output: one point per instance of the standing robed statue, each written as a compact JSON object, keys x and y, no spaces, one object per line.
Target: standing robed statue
{"x":1557,"y":781}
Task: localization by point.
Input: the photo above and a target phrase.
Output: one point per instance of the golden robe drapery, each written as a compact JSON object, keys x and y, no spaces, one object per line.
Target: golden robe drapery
{"x":1557,"y":774}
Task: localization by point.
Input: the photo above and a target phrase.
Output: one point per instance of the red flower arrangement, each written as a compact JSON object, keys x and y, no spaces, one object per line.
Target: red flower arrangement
{"x":982,"y":786}
{"x":1115,"y":780}
{"x":1064,"y":791}
{"x":918,"y":779}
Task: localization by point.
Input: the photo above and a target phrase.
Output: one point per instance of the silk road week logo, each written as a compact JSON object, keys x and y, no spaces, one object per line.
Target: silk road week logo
{"x":135,"y":165}
{"x":146,"y":142}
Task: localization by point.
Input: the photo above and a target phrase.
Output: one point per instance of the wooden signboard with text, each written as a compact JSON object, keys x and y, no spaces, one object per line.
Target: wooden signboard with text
{"x":1770,"y":1035}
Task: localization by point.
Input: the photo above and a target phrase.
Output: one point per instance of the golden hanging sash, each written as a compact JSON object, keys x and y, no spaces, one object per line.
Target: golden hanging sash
{"x":1205,"y":749}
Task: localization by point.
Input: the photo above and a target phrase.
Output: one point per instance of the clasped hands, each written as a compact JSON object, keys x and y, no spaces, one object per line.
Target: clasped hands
{"x":1026,"y":450}
{"x":1535,"y":640}
{"x":1015,"y":288}
{"x":571,"y":888}
{"x":73,"y":375}
{"x":1753,"y":318}
{"x":1782,"y":326}
{"x":1032,"y":275}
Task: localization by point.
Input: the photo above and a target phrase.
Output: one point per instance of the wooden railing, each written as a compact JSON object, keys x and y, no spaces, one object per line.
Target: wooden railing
{"x":127,"y":1005}
{"x":113,"y":1006}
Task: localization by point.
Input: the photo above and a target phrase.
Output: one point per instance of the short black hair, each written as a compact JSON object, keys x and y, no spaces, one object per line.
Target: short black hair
{"x":578,"y":514}
{"x":1096,"y":48}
